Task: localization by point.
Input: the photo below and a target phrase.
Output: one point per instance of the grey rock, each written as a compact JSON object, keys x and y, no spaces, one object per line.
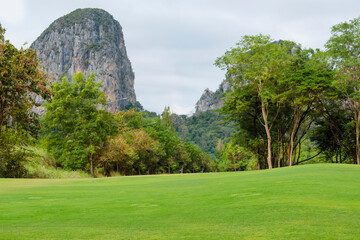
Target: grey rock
{"x":210,"y":100}
{"x":89,"y":40}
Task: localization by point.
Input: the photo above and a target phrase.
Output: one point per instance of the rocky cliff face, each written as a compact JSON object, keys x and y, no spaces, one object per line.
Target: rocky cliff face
{"x":212,"y":100}
{"x":89,"y":40}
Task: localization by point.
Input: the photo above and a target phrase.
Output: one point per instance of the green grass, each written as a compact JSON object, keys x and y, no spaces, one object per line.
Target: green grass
{"x":306,"y":202}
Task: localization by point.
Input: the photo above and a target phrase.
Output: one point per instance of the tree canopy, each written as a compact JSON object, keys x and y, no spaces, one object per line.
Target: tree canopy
{"x":276,"y":87}
{"x":21,"y":84}
{"x":76,"y":128}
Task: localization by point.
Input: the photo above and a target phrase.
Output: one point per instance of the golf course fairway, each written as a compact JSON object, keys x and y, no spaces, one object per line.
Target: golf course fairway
{"x":319,"y":201}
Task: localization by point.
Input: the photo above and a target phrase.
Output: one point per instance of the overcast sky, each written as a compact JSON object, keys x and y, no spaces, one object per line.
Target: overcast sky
{"x":172,"y":45}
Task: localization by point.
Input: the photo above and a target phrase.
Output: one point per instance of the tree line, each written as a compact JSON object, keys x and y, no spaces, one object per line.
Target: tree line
{"x":283,"y":101}
{"x":77,"y":131}
{"x":81,"y":135}
{"x":283,"y":96}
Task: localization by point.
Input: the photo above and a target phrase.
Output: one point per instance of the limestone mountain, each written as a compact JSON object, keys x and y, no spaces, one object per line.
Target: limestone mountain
{"x":210,"y":100}
{"x":89,"y":40}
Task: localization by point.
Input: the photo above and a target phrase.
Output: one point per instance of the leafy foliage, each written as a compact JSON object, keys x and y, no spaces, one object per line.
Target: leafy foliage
{"x":13,"y":154}
{"x":76,"y":128}
{"x":81,"y":16}
{"x":277,"y":88}
{"x":344,"y":48}
{"x":204,"y":129}
{"x":41,"y":164}
{"x":21,"y":82}
{"x":149,"y":146}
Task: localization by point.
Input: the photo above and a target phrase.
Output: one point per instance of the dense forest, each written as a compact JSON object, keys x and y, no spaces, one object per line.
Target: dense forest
{"x":206,"y":129}
{"x":286,"y":106}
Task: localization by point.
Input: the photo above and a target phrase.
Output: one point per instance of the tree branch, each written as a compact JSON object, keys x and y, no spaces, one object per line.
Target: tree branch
{"x":308,"y":158}
{"x":277,"y":113}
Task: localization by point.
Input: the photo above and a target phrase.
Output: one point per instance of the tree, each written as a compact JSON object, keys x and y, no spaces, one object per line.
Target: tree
{"x":119,"y":155}
{"x":261,"y":63}
{"x":167,"y":119}
{"x":238,"y":158}
{"x":309,"y":77}
{"x":21,"y":82}
{"x":344,"y":47}
{"x":76,"y":128}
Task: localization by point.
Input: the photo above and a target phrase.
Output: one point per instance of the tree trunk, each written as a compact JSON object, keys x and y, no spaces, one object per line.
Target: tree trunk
{"x":279,"y":158}
{"x":91,"y":165}
{"x":294,"y":156}
{"x":279,"y":149}
{"x":268,"y":134}
{"x":284,"y":156}
{"x":299,"y":154}
{"x":292,"y":136}
{"x":340,"y":155}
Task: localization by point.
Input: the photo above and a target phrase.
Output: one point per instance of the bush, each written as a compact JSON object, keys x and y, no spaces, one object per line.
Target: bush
{"x":11,"y":162}
{"x":40,"y":164}
{"x":12,"y":152}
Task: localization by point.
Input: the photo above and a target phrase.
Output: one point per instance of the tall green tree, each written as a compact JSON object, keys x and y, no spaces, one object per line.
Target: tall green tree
{"x":259,"y":62}
{"x":344,"y":47}
{"x":76,"y":128}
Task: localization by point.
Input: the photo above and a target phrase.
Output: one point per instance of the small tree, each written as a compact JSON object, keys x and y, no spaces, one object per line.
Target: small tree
{"x":76,"y":128}
{"x":167,"y":119}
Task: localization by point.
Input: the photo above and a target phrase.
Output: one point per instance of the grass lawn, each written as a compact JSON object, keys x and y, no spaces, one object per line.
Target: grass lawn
{"x":308,"y":202}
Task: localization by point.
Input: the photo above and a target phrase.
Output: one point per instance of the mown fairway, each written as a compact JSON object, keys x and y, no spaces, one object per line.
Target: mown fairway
{"x":307,"y":202}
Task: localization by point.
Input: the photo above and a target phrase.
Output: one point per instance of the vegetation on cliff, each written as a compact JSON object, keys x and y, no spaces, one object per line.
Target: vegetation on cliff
{"x":81,"y":16}
{"x":205,"y":129}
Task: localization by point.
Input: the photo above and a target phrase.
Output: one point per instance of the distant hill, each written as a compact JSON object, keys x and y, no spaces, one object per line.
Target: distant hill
{"x":204,"y":128}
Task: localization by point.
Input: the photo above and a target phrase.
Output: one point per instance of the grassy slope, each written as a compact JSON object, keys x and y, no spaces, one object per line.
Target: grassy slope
{"x":307,"y":202}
